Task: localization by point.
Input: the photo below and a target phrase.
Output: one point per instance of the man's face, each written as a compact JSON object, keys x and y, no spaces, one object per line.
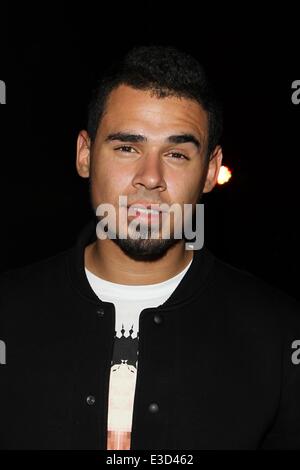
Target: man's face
{"x":137,"y":153}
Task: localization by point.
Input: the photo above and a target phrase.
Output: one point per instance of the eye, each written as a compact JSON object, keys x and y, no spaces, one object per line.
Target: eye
{"x":125,"y":148}
{"x":179,"y":156}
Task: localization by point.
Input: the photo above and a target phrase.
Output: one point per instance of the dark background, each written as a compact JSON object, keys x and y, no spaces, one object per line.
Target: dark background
{"x":51,"y":56}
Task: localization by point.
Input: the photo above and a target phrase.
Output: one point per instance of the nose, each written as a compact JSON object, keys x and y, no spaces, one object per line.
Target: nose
{"x":149,"y":173}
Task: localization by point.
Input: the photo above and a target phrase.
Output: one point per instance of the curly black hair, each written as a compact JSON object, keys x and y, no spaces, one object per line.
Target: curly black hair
{"x":165,"y":71}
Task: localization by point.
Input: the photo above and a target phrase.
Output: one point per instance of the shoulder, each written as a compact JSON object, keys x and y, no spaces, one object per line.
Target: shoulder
{"x":247,"y":294}
{"x":35,"y":276}
{"x":32,"y":299}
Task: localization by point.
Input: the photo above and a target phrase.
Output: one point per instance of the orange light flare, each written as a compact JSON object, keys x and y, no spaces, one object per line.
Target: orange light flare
{"x":224,"y":175}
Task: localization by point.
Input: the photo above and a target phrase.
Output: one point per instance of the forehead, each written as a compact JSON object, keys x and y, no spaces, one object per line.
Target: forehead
{"x":139,"y":110}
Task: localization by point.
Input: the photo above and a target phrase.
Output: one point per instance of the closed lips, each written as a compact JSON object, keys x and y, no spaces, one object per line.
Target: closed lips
{"x":146,"y":211}
{"x":147,"y":208}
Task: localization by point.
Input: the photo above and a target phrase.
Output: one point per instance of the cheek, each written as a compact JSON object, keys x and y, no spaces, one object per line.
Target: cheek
{"x":196,"y":182}
{"x":108,"y":182}
{"x":186,"y":187}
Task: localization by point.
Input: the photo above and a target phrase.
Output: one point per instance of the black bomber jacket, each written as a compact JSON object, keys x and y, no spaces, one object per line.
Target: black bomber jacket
{"x":222,"y":364}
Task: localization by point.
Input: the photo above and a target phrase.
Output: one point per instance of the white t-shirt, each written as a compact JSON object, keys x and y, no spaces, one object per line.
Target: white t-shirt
{"x":129,"y":301}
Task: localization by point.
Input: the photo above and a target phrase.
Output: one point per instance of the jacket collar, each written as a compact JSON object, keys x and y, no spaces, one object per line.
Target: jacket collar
{"x":190,"y":286}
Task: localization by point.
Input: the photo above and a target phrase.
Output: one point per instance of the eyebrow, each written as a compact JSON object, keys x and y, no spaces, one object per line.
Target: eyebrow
{"x":174,"y":139}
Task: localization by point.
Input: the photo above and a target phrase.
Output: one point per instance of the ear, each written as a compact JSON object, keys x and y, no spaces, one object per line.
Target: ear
{"x":214,"y":165}
{"x":83,"y":154}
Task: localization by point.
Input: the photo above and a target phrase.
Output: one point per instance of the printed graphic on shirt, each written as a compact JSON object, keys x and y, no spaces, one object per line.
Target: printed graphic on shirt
{"x":129,"y":301}
{"x":122,"y":389}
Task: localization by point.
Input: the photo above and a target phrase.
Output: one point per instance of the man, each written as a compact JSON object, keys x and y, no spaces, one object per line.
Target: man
{"x":131,"y":342}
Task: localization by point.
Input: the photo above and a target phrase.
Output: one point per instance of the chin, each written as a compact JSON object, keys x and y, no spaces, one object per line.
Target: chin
{"x":145,"y":249}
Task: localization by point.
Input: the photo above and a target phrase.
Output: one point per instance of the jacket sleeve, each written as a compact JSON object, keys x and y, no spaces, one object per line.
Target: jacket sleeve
{"x":284,"y":433}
